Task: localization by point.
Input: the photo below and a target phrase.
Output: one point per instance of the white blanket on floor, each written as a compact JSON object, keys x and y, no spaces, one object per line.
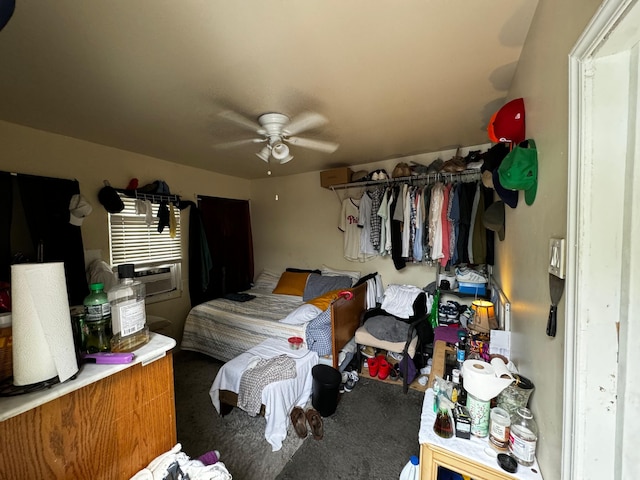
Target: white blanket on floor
{"x":278,"y":397}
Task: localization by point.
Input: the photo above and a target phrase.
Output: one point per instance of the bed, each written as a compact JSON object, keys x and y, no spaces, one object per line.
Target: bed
{"x":225,"y":328}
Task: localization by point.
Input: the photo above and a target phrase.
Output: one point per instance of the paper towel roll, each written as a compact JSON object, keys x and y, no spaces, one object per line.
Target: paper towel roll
{"x":481,"y":381}
{"x":43,"y":345}
{"x":501,"y":368}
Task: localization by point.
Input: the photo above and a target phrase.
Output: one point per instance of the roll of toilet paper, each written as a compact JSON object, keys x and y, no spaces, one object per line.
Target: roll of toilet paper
{"x":43,"y":345}
{"x":501,"y":368}
{"x":481,"y":380}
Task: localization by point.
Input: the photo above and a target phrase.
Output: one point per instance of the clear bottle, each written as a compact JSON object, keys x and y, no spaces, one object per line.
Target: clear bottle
{"x":523,"y":437}
{"x":411,"y":470}
{"x":129,"y":318}
{"x":97,"y":319}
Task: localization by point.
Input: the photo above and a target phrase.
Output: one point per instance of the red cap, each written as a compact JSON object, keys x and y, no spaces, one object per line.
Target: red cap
{"x":490,"y":131}
{"x":507,"y":124}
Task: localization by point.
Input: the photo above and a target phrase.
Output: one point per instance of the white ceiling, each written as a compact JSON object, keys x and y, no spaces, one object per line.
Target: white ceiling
{"x":394,"y":78}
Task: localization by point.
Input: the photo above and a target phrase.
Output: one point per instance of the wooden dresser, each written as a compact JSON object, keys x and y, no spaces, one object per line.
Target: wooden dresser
{"x":107,"y":423}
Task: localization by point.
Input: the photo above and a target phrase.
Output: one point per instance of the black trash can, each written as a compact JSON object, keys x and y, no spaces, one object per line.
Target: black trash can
{"x":326,"y":389}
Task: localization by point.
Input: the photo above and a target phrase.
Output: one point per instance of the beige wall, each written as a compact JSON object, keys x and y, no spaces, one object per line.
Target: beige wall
{"x":300,"y":229}
{"x":542,"y":80}
{"x":29,"y":151}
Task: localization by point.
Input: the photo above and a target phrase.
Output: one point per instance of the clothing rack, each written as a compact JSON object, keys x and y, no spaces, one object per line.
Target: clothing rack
{"x":423,"y":179}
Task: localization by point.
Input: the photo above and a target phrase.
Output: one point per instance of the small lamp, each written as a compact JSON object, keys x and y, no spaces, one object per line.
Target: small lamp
{"x":484,"y":317}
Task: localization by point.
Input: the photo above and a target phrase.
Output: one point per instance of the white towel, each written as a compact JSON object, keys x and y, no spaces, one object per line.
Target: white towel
{"x":398,"y":300}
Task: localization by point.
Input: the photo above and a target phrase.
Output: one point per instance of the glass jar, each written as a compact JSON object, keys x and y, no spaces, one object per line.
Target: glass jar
{"x":523,"y":437}
{"x":499,"y":426}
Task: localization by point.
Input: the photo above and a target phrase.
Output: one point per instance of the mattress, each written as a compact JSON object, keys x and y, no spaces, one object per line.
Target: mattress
{"x":224,"y":329}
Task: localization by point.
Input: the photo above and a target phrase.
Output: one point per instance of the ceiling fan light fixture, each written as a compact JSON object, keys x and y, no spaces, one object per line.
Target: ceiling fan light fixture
{"x":280,"y":151}
{"x":263,"y":154}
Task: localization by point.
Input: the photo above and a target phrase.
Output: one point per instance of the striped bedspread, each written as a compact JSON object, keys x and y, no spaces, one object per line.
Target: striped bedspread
{"x":223,"y":329}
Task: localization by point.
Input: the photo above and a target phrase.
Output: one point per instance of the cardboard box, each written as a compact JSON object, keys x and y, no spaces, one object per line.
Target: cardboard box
{"x":335,"y":176}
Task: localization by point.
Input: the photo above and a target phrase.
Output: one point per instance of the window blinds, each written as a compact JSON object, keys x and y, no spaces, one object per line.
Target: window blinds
{"x":133,"y":241}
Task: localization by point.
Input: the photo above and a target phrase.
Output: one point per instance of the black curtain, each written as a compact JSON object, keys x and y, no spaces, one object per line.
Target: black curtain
{"x":227,"y":225}
{"x":45,"y":202}
{"x":6,"y":211}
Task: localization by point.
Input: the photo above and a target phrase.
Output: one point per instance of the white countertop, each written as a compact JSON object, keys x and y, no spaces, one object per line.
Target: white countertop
{"x":89,"y":373}
{"x":474,"y":448}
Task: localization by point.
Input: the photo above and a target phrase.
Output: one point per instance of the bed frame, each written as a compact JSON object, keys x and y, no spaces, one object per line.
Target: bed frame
{"x":345,"y":320}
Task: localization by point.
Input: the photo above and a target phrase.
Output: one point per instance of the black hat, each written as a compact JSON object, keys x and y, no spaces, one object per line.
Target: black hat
{"x":110,"y":199}
{"x":493,"y":157}
{"x":6,"y":11}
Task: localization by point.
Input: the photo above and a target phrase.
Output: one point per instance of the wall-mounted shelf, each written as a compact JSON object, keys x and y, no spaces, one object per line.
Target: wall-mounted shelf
{"x":152,"y":197}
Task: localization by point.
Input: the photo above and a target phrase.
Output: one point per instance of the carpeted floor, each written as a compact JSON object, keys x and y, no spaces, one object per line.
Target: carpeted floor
{"x":371,"y":435}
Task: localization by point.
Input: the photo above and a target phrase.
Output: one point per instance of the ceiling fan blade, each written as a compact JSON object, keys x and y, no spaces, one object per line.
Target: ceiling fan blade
{"x":240,"y":120}
{"x":304,"y":121}
{"x":321,"y":145}
{"x":264,"y":154}
{"x":239,"y":143}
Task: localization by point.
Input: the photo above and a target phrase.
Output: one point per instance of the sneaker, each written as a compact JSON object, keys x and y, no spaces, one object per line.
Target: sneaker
{"x":373,"y":364}
{"x":368,"y":351}
{"x":345,"y":377}
{"x":351,"y":381}
{"x":465,"y":274}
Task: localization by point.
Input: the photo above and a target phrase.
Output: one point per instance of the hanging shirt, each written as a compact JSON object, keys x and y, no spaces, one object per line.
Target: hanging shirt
{"x":472,"y":222}
{"x":349,"y":226}
{"x":435,"y":222}
{"x":364,"y":222}
{"x":376,"y":224}
{"x":383,"y":214}
{"x":406,"y":221}
{"x":445,"y":225}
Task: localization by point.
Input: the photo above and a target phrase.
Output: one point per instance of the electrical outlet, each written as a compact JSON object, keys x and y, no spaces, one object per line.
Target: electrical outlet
{"x":556,"y":256}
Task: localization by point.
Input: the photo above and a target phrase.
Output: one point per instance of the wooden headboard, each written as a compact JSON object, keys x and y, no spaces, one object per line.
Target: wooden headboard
{"x":345,"y":319}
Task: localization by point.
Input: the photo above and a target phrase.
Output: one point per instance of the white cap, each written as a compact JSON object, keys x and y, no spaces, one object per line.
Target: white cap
{"x":78,"y":209}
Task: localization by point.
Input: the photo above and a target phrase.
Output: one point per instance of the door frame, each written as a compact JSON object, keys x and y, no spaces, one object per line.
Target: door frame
{"x":603,"y":116}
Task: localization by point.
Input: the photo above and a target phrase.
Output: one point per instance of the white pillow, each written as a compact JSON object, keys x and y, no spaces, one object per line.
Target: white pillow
{"x":267,"y":280}
{"x":303,"y":314}
{"x":355,"y":276}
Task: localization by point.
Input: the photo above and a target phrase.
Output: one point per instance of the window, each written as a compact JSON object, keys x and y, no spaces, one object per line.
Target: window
{"x":157,"y":256}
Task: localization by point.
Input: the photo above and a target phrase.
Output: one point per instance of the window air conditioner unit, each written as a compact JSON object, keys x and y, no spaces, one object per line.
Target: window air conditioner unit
{"x":160,"y":279}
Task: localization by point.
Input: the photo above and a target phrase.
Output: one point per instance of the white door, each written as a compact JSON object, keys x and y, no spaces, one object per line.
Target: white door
{"x":602,"y":393}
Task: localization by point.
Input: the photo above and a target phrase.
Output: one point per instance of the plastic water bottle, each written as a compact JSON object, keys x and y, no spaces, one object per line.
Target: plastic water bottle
{"x":98,"y":319}
{"x":411,"y":470}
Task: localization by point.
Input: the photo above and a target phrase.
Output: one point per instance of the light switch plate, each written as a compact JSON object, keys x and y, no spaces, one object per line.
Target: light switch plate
{"x":557,"y":257}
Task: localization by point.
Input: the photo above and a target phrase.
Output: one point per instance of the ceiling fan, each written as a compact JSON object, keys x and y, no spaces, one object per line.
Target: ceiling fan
{"x":278,"y":131}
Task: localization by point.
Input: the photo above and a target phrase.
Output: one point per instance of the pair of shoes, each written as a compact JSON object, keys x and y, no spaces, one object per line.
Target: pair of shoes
{"x":352,"y":379}
{"x":299,"y":421}
{"x":379,"y":367}
{"x":466,"y":274}
{"x":379,"y":175}
{"x":368,"y":351}
{"x":300,"y":418}
{"x":315,"y":423}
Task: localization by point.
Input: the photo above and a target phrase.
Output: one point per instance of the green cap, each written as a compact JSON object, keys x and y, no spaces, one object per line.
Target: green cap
{"x":519,"y":170}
